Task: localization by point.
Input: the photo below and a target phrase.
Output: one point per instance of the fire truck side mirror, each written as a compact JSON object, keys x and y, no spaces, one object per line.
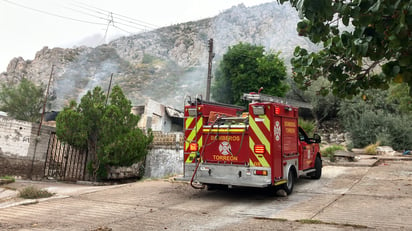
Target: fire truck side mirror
{"x":317,"y":138}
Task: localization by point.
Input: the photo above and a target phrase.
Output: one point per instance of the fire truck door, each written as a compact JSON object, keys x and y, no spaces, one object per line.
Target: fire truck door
{"x":306,"y":151}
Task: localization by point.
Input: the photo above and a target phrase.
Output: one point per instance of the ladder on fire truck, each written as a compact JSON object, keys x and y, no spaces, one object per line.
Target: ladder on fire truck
{"x":259,"y":97}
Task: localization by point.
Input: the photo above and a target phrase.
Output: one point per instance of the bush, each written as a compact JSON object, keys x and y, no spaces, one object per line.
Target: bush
{"x":6,"y":180}
{"x":330,"y":151}
{"x":308,"y":126}
{"x":9,"y":179}
{"x":370,"y":119}
{"x":371,"y":149}
{"x":391,"y":130}
{"x":32,"y":192}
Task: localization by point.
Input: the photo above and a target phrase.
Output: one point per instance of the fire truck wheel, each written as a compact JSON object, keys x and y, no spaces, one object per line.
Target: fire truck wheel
{"x":318,"y":168}
{"x":288,"y":187}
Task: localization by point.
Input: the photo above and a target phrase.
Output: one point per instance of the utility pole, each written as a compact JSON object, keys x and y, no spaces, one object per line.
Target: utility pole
{"x":108,"y":90}
{"x":37,"y":140}
{"x":209,"y":69}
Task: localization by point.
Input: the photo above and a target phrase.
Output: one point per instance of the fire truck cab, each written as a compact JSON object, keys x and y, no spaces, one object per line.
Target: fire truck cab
{"x":264,"y":147}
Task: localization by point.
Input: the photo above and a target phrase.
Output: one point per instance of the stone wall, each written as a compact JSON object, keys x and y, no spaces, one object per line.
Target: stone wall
{"x":18,"y":145}
{"x":166,"y":156}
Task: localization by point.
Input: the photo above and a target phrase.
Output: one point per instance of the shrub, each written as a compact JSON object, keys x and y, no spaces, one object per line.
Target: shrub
{"x":32,"y":192}
{"x":330,"y":151}
{"x":308,"y":126}
{"x":371,"y":118}
{"x":9,"y":179}
{"x":371,"y":148}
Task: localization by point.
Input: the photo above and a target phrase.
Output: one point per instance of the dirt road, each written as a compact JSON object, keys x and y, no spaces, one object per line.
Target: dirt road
{"x":345,"y":198}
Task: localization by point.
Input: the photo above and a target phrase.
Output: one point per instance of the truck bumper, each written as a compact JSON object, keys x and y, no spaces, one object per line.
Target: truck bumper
{"x":231,"y":175}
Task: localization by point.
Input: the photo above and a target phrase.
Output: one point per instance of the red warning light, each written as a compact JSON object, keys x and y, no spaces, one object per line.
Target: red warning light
{"x":277,"y":110}
{"x":193,"y":147}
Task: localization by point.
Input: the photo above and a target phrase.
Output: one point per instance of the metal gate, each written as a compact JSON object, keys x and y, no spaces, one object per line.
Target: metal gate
{"x":64,"y":162}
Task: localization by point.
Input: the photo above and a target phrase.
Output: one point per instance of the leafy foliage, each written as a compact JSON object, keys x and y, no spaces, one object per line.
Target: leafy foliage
{"x":325,"y":107}
{"x":373,"y":117}
{"x":22,"y":101}
{"x":398,"y":93}
{"x":7,"y":179}
{"x":108,"y":131}
{"x":308,"y":126}
{"x":330,"y":151}
{"x":357,"y":36}
{"x":245,"y":68}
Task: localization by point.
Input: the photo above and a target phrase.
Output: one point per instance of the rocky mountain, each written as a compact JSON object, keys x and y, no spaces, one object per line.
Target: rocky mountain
{"x":164,"y":64}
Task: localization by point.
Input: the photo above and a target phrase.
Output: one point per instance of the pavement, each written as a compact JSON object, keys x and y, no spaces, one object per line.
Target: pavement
{"x":347,"y":197}
{"x":9,"y":193}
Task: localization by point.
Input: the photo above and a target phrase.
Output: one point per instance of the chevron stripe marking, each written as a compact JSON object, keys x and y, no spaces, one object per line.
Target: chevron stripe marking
{"x":194,"y":132}
{"x":259,"y":157}
{"x":262,"y":138}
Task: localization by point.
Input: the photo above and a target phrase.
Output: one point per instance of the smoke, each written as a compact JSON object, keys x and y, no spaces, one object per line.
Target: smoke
{"x":91,"y":68}
{"x":172,"y":90}
{"x":181,"y":65}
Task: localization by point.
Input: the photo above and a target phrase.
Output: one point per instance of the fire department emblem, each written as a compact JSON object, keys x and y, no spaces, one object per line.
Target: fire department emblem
{"x":277,"y":130}
{"x":225,"y":148}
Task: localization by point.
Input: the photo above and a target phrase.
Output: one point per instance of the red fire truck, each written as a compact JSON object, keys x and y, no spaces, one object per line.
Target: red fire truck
{"x":264,"y":147}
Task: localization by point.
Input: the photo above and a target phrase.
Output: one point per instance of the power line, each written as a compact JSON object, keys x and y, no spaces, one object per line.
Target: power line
{"x":137,"y":21}
{"x":118,"y":17}
{"x":86,"y":13}
{"x":52,"y":14}
{"x":110,"y":20}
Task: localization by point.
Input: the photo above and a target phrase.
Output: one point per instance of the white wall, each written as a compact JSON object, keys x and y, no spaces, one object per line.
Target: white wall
{"x":163,"y":162}
{"x":15,"y":137}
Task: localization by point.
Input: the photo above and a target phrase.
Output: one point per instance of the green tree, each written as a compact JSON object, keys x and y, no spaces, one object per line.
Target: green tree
{"x":22,"y":101}
{"x":108,"y":130}
{"x":358,"y":37}
{"x":245,"y":68}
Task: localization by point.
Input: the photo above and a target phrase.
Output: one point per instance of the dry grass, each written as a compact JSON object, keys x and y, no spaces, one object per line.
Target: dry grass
{"x":32,"y":192}
{"x":371,"y":148}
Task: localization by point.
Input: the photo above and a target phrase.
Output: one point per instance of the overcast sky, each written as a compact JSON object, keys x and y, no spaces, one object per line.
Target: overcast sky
{"x":26,"y":26}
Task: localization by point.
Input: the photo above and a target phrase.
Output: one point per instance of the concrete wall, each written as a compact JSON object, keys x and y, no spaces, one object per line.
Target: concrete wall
{"x":155,"y":117}
{"x":14,"y":137}
{"x":163,"y":162}
{"x":166,"y":156}
{"x":17,"y":145}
